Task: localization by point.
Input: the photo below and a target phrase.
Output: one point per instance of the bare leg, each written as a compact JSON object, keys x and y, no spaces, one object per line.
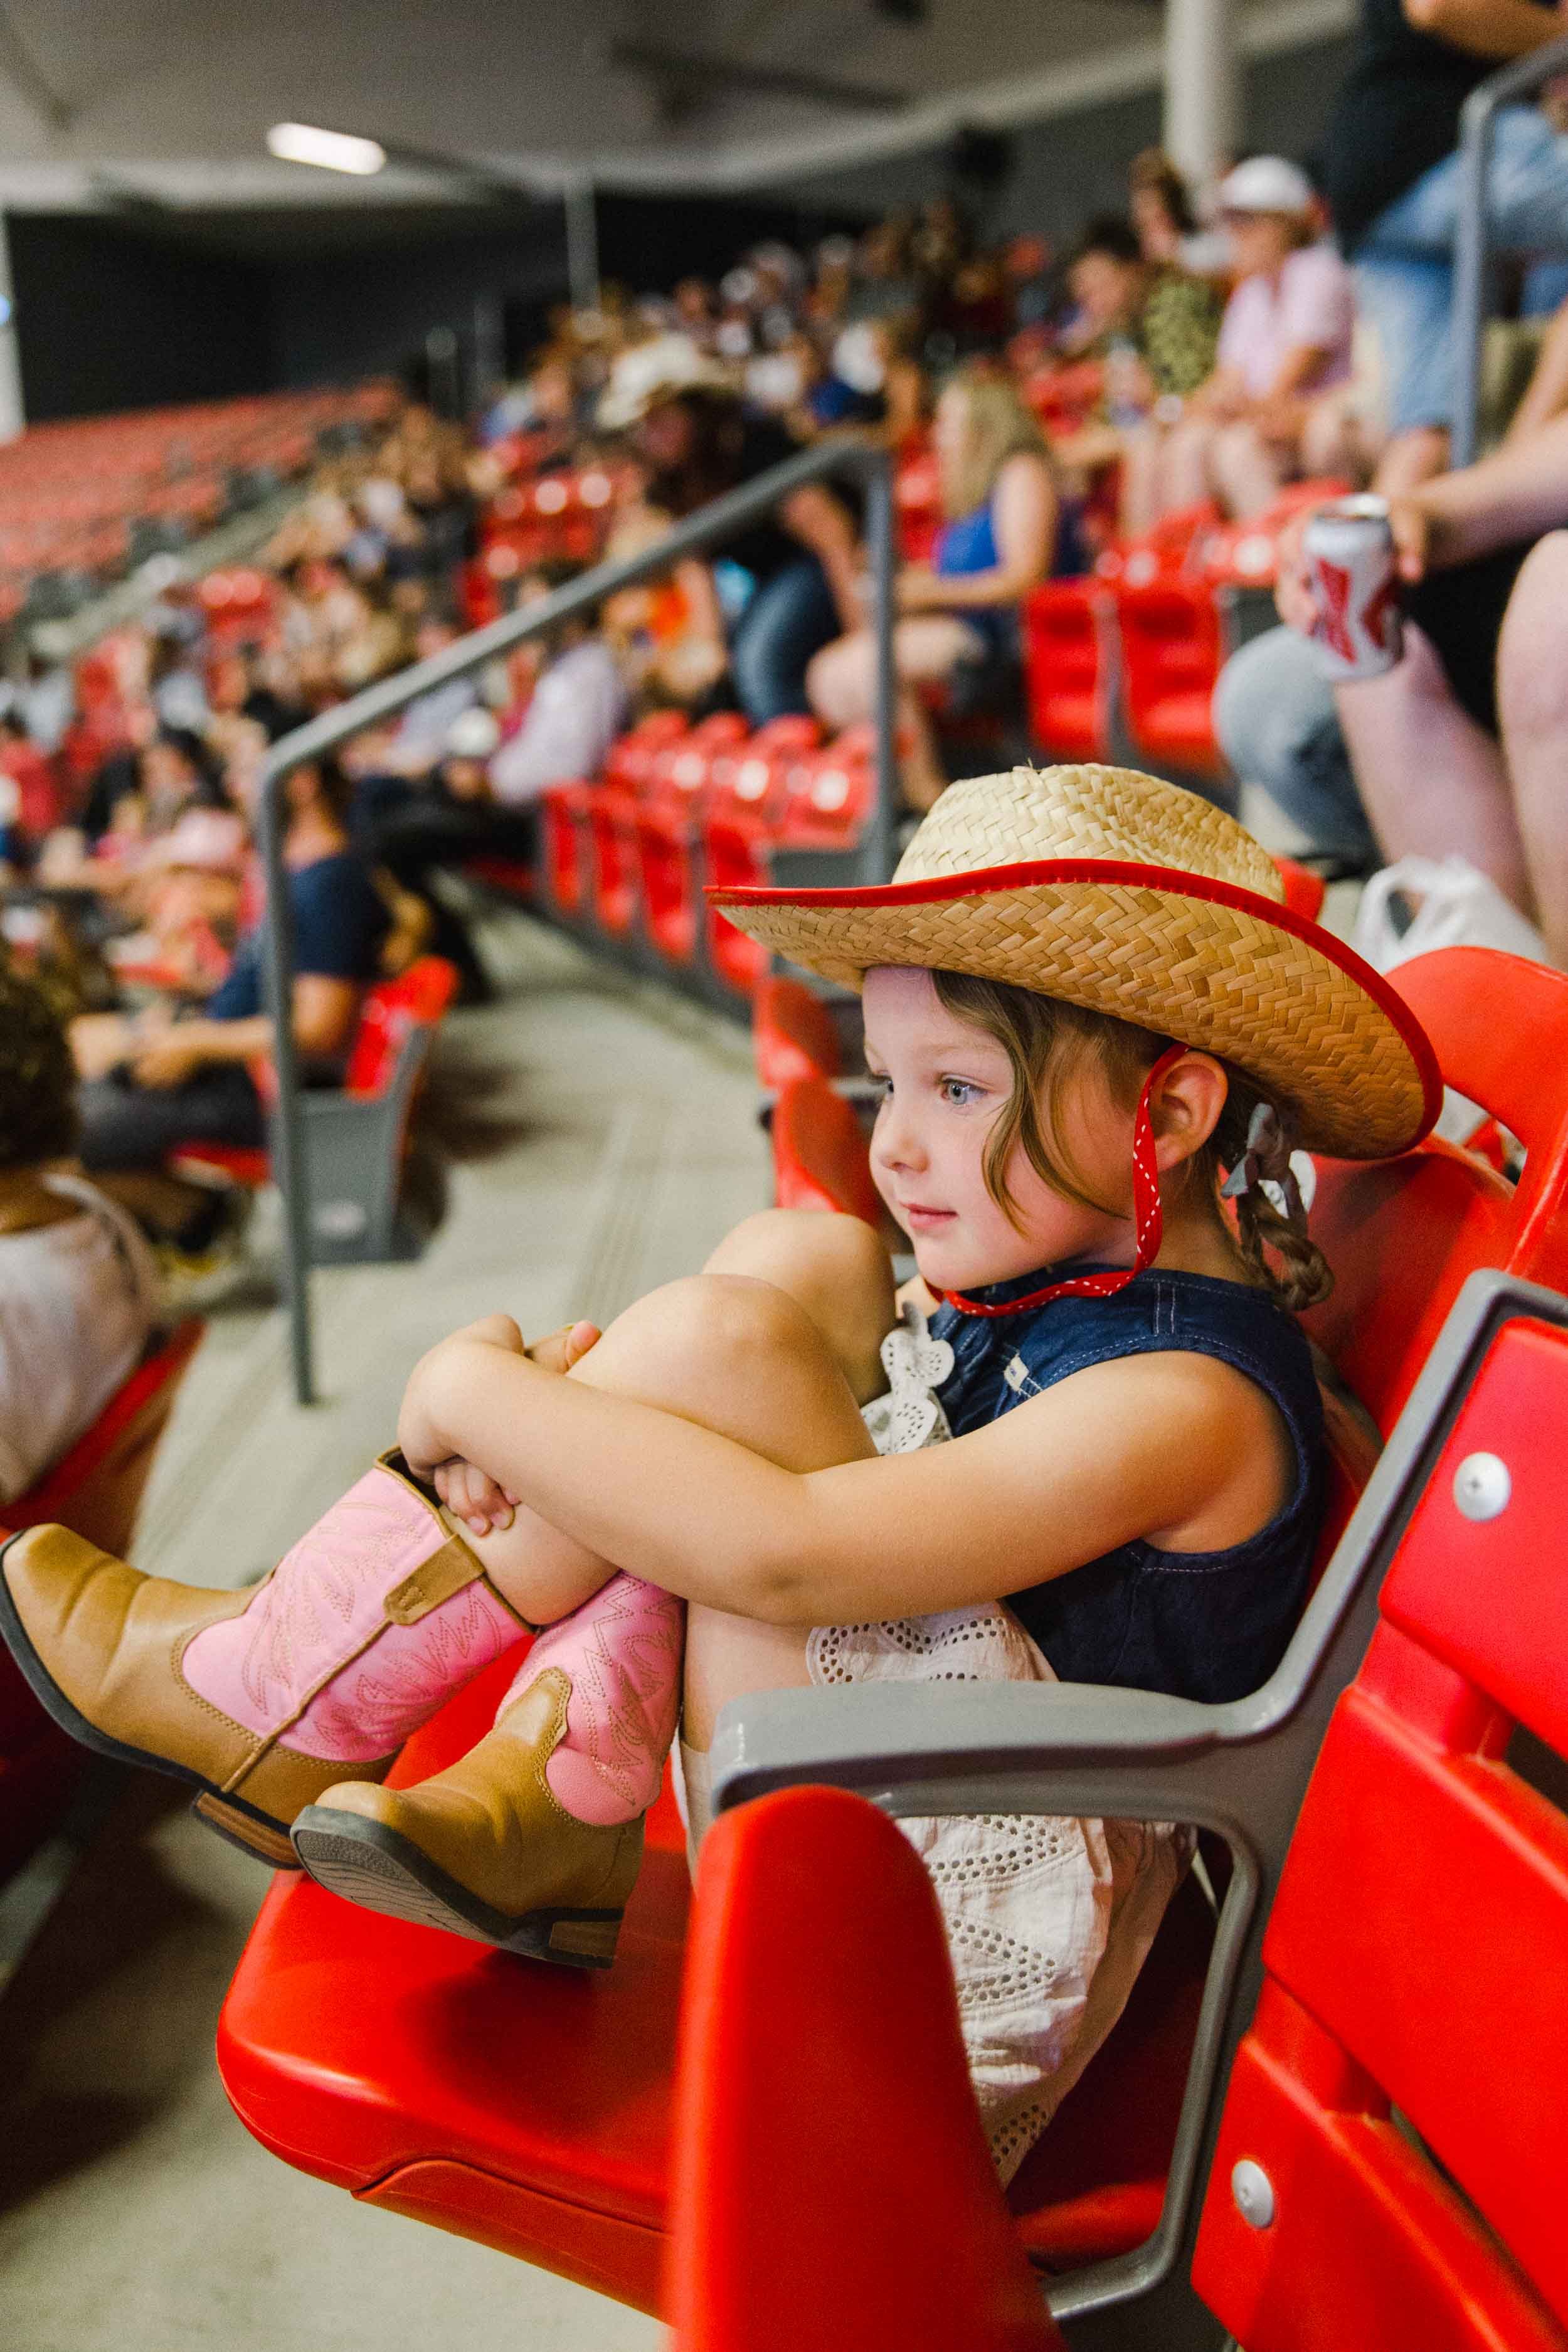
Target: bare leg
{"x":1532,"y":697}
{"x":1184,"y":466}
{"x":1248,"y":471}
{"x":841,"y":686}
{"x":1142,"y":460}
{"x":1433,"y":783}
{"x":772,"y":1345}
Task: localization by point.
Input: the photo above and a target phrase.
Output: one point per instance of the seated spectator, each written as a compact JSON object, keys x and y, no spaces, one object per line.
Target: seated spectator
{"x":801,"y":564}
{"x":1459,"y":751}
{"x":959,"y":615}
{"x":150,"y":1082}
{"x":1156,"y":330}
{"x":1285,"y":339}
{"x":1170,"y":235}
{"x":1391,"y":174}
{"x":78,"y":1284}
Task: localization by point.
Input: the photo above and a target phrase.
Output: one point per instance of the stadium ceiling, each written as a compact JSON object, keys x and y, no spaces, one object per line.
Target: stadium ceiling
{"x":166,"y":104}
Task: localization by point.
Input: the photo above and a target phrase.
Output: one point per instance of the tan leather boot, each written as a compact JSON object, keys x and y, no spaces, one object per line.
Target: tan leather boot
{"x":260,"y":1699}
{"x":533,"y":1841}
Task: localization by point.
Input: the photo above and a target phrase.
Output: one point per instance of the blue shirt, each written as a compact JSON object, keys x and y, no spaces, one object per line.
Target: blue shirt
{"x":1203,"y":1625}
{"x":340,"y":923}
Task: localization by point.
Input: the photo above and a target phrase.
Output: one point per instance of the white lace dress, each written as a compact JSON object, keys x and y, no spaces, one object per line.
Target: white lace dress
{"x":1049,"y":1919}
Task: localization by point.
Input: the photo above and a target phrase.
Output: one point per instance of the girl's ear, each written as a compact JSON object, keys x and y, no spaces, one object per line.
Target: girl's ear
{"x":1186,"y":1108}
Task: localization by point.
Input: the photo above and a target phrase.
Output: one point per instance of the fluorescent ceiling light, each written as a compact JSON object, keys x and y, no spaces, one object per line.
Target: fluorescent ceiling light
{"x":334,"y":151}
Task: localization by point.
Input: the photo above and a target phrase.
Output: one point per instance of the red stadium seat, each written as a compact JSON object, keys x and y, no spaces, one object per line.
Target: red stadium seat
{"x":631,"y":756}
{"x":1392,"y":2168}
{"x":801,"y":1899}
{"x":830,"y":794}
{"x":666,"y":826}
{"x":97,"y":1490}
{"x":1068,"y":664}
{"x":1172,"y":650}
{"x":1304,"y":890}
{"x":1402,"y":1235}
{"x":793,"y":1036}
{"x":614,"y":861}
{"x":563,"y":849}
{"x":819,"y":1152}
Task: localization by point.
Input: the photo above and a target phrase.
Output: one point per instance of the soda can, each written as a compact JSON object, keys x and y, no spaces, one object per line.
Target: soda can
{"x":1354,"y":579}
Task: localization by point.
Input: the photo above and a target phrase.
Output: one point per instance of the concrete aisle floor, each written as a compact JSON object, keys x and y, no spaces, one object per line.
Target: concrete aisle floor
{"x":605,"y":1141}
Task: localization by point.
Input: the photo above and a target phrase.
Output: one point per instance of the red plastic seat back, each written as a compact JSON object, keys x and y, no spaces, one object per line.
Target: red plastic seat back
{"x":819,"y":1152}
{"x":1414,"y":1955}
{"x":1067,"y":669}
{"x":1171,"y":656}
{"x":832,"y":2184}
{"x":1403,"y":1235}
{"x":830,"y":794}
{"x":418,"y":996}
{"x":793,"y":1034}
{"x":630,"y":757}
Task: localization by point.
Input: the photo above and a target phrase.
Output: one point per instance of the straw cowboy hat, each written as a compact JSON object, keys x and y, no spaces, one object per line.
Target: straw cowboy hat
{"x":1131,"y":897}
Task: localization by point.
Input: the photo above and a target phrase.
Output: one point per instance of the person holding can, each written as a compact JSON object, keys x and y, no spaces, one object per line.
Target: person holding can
{"x":1461,"y":747}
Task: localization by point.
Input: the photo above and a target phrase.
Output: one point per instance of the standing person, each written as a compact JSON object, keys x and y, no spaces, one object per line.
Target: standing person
{"x":802,"y":562}
{"x":1391,"y":174}
{"x":961,"y":612}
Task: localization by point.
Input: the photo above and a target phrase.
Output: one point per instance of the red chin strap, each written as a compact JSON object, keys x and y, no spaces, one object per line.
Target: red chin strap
{"x":1147,"y":1215}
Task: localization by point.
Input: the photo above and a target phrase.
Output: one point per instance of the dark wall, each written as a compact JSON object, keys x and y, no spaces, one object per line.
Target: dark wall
{"x":1073,"y":165}
{"x":340,"y":315}
{"x":109,"y":318}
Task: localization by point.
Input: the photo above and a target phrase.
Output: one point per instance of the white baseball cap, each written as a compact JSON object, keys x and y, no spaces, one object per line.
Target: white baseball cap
{"x":1266,"y":184}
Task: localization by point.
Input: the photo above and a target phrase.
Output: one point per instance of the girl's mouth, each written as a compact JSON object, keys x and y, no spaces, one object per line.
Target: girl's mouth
{"x":926,"y":1220}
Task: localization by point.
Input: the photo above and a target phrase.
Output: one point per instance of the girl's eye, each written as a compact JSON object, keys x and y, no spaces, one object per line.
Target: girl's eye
{"x":882,"y":1082}
{"x":960,"y":1092}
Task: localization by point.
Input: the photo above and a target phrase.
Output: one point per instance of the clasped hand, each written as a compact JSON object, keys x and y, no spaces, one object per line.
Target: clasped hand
{"x":469,"y":1492}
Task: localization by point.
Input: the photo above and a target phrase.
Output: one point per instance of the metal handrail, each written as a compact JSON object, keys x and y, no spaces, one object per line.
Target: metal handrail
{"x":1478,"y":121}
{"x":710,"y":527}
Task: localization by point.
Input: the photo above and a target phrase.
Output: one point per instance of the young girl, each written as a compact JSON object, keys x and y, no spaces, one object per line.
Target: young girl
{"x":1100,"y":1460}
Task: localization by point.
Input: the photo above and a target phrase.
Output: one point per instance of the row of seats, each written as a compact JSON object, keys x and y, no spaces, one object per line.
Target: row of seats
{"x":79,"y":501}
{"x":520,"y":2107}
{"x":1124,"y":663}
{"x":624,"y":860}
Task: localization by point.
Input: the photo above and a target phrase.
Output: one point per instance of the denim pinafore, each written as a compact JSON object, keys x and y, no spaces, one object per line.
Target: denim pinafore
{"x":1201,"y":1625}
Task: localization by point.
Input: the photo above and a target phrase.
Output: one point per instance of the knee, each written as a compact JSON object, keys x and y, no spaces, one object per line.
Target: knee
{"x":704,"y":1331}
{"x":834,"y":683}
{"x":833,"y":1268}
{"x":1273,"y":710}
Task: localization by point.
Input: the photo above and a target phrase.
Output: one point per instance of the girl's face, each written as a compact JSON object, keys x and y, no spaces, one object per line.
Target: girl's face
{"x":947,"y":1083}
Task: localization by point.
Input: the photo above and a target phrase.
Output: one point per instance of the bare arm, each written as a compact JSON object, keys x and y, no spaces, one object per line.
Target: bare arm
{"x":324,"y":1014}
{"x":1486,"y":29}
{"x":815,"y":517}
{"x":1152,"y":1446}
{"x":1546,"y":394}
{"x":1025,"y":519}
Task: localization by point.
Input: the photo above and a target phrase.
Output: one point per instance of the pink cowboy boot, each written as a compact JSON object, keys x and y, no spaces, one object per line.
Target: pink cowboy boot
{"x":260,"y":1699}
{"x":534,"y":1839}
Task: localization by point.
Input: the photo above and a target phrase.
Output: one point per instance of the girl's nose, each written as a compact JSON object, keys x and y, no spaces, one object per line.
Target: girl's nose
{"x":895,"y":1141}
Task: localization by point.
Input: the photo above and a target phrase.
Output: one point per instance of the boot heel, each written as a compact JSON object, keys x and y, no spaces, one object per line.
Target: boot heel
{"x":267,"y":1844}
{"x":586,"y":1941}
